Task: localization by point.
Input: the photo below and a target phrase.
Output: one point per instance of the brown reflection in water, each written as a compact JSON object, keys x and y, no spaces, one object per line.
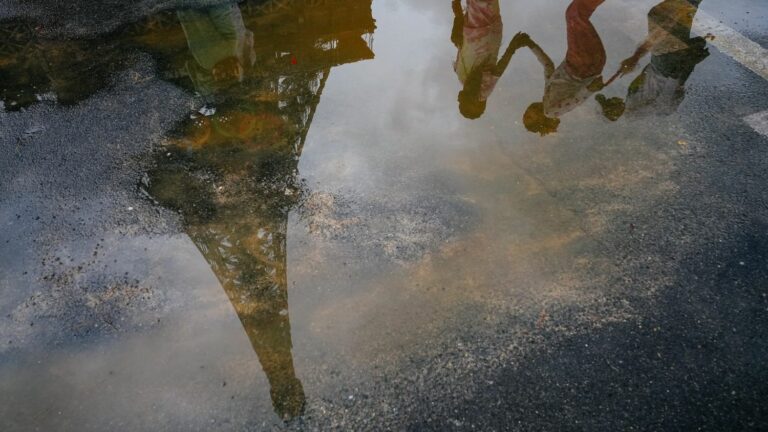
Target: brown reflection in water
{"x":233,"y":172}
{"x":34,"y":68}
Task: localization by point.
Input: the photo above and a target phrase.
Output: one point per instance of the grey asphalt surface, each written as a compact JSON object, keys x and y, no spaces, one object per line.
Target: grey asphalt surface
{"x":696,"y":358}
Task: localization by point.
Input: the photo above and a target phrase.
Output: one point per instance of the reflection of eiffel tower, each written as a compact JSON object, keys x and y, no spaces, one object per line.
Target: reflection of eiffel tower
{"x":234,"y":175}
{"x":320,"y":32}
{"x":297,"y":43}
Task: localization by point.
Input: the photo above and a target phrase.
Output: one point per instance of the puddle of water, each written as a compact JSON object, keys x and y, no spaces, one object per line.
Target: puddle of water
{"x":329,"y":158}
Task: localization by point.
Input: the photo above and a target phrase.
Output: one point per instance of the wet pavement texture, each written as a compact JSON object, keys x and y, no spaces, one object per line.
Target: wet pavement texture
{"x":383,"y":215}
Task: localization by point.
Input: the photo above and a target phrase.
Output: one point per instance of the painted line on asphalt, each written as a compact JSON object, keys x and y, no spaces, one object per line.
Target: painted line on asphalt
{"x":759,"y":122}
{"x":732,"y":43}
{"x":737,"y":46}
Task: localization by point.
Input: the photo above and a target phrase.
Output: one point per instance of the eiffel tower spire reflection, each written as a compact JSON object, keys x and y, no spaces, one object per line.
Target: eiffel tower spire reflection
{"x":232,"y":174}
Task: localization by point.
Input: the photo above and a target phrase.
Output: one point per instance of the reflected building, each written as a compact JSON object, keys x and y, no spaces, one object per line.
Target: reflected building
{"x":231,"y":170}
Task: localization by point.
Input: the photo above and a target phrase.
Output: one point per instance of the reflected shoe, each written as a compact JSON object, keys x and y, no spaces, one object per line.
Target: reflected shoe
{"x":613,"y":108}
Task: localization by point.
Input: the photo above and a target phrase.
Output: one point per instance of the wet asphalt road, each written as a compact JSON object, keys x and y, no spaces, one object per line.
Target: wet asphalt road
{"x":695,"y":357}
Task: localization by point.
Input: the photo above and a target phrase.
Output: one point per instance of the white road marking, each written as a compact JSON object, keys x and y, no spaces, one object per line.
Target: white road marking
{"x":759,"y":122}
{"x":735,"y":45}
{"x":732,"y":43}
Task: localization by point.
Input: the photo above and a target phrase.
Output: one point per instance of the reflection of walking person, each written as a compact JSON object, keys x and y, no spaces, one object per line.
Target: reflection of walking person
{"x":660,"y":87}
{"x":477,"y":34}
{"x":577,"y":77}
{"x":219,"y":43}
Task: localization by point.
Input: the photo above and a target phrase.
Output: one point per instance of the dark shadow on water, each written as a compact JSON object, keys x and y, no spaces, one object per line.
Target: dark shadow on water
{"x":36,"y":69}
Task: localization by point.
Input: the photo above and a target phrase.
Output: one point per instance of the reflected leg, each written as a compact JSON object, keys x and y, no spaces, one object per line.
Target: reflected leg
{"x":586,"y":55}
